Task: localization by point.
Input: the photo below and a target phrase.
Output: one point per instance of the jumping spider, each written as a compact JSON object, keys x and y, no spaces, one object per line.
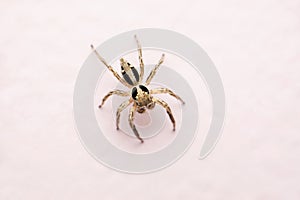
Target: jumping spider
{"x":140,"y":95}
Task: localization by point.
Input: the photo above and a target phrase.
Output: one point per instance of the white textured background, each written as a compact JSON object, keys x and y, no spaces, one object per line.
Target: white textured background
{"x":255,"y":46}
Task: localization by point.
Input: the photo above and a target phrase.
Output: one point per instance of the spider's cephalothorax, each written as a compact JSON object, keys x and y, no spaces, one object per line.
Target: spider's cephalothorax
{"x":142,"y":98}
{"x":139,"y":94}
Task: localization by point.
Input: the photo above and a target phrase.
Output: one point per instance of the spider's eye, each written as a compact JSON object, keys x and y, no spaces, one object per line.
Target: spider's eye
{"x":144,"y":89}
{"x":134,"y":93}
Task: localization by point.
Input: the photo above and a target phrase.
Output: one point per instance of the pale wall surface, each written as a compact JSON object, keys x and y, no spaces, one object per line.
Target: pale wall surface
{"x":255,"y":46}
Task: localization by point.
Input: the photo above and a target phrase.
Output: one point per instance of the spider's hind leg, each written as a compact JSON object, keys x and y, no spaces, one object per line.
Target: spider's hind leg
{"x":153,"y":72}
{"x":140,"y":58}
{"x":110,"y":68}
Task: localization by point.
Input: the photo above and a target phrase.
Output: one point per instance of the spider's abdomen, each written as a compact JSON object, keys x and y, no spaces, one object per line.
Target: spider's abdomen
{"x":131,"y":76}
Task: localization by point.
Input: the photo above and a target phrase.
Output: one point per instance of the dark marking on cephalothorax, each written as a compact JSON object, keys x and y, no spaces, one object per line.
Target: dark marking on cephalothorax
{"x":143,"y":88}
{"x":134,"y":93}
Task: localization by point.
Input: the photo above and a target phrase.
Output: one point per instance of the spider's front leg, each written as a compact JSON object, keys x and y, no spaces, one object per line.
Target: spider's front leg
{"x":131,"y":123}
{"x":166,"y":90}
{"x":168,"y":109}
{"x":124,"y":105}
{"x":116,"y":92}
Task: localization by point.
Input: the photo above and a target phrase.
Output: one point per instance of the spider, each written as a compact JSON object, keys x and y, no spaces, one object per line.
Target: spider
{"x":139,"y":94}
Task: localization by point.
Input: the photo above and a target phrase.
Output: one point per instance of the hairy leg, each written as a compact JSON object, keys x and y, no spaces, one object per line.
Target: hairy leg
{"x":166,"y":90}
{"x":140,"y":58}
{"x":124,"y":105}
{"x":131,"y":123}
{"x":168,"y":109}
{"x":110,"y":68}
{"x":153,"y":72}
{"x":116,"y":92}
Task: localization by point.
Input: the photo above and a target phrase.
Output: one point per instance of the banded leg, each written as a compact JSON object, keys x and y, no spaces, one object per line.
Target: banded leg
{"x":116,"y":92}
{"x":131,"y":123}
{"x":168,"y":91}
{"x":168,"y":109}
{"x":124,"y":105}
{"x":153,"y":72}
{"x":140,"y":58}
{"x":110,"y":68}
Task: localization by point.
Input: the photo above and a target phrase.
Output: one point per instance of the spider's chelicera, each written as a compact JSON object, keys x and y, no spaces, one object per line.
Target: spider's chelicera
{"x":139,"y":95}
